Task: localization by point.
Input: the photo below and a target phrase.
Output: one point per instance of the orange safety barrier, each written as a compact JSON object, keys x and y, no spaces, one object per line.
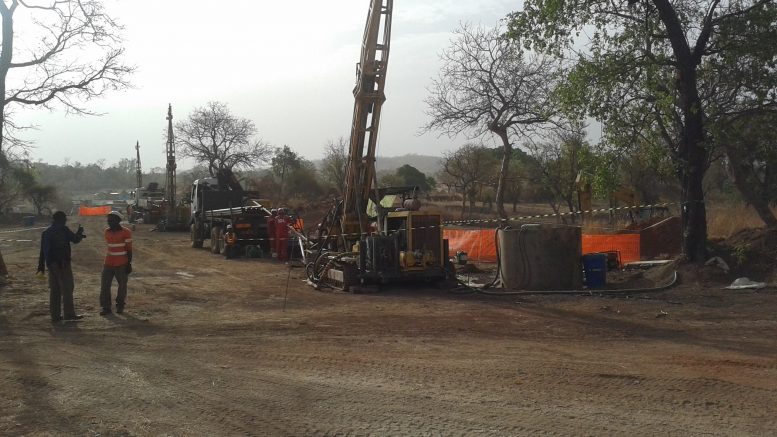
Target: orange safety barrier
{"x":625,"y":244}
{"x":94,"y":210}
{"x":478,"y":243}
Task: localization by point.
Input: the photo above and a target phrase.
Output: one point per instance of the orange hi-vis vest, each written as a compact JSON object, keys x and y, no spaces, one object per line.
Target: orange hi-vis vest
{"x":119,"y":243}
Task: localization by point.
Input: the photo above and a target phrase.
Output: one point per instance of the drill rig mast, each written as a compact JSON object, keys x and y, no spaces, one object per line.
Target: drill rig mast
{"x":399,"y":243}
{"x":138,"y":169}
{"x":170,"y":186}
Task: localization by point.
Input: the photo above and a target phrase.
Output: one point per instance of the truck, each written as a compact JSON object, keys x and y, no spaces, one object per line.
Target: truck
{"x":147,"y":204}
{"x":220,"y":202}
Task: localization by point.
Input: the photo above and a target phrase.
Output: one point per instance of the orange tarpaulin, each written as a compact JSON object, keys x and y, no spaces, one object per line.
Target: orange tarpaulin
{"x":478,"y":243}
{"x":626,"y":244}
{"x":94,"y":210}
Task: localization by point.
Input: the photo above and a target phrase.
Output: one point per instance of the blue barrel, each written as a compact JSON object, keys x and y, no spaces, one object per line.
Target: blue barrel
{"x":595,"y":270}
{"x":28,"y":221}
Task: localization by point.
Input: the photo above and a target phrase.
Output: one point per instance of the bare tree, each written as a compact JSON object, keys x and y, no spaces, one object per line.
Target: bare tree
{"x":72,"y":53}
{"x":213,"y":136}
{"x":335,"y":163}
{"x":465,"y":169}
{"x":488,"y":84}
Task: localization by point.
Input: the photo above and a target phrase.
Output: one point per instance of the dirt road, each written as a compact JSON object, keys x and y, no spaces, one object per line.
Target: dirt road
{"x":212,"y":347}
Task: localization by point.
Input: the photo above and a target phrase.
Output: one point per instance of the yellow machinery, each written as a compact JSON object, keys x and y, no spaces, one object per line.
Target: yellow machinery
{"x":397,"y":242}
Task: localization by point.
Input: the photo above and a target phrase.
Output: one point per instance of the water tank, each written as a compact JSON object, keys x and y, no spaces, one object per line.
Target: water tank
{"x":541,"y":257}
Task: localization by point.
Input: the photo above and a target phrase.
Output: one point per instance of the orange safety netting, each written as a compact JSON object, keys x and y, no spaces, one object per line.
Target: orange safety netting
{"x":478,"y":243}
{"x":625,"y":244}
{"x":94,"y":210}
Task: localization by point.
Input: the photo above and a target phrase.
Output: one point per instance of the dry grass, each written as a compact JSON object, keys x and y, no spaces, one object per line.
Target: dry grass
{"x":724,"y":220}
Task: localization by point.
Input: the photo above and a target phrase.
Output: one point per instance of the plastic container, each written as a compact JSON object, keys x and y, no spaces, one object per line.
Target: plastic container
{"x":595,"y":270}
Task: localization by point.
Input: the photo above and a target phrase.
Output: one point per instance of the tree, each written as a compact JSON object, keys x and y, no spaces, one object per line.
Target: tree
{"x":465,"y":169}
{"x":558,"y":161}
{"x":72,"y":53}
{"x":644,"y":73}
{"x":411,"y":176}
{"x":751,"y":149}
{"x":296,"y":176}
{"x":213,"y":136}
{"x":488,"y":84}
{"x":335,"y":163}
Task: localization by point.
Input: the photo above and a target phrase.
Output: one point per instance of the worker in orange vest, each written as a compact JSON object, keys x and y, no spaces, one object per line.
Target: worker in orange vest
{"x":118,"y":263}
{"x":282,"y":222}
{"x":230,"y":240}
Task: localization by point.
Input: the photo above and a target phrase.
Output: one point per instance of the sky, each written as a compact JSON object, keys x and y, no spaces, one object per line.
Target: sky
{"x":287,"y":66}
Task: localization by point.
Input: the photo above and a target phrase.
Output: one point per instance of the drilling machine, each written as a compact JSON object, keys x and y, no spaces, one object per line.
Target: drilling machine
{"x":400,"y":243}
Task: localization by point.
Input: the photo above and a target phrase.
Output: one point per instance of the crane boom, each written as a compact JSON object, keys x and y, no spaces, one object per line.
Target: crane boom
{"x":369,"y":96}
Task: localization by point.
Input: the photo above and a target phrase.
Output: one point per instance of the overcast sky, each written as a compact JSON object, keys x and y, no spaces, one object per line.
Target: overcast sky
{"x":287,"y":65}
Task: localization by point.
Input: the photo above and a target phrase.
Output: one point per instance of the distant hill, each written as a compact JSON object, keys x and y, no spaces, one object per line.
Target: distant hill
{"x":426,"y":164}
{"x":429,"y":165}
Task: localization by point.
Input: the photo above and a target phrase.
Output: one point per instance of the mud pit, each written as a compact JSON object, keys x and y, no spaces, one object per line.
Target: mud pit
{"x":206,"y":348}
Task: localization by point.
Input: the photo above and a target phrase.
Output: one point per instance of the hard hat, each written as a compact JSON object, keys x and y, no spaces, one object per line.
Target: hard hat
{"x":229,"y":226}
{"x":117,"y":214}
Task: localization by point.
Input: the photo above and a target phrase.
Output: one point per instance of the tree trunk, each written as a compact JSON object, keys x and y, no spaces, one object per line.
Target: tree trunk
{"x":691,"y":152}
{"x":759,"y":203}
{"x":463,"y":203}
{"x":503,"y":172}
{"x":694,"y":157}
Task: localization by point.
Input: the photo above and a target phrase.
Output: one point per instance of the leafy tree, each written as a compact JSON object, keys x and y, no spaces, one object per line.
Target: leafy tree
{"x":488,"y":84}
{"x":411,"y":176}
{"x":651,"y":69}
{"x":213,"y":136}
{"x":751,"y":149}
{"x":295,"y":175}
{"x":61,"y":52}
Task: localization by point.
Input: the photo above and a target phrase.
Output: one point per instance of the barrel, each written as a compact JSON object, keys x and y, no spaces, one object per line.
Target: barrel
{"x":595,"y":270}
{"x":28,"y":220}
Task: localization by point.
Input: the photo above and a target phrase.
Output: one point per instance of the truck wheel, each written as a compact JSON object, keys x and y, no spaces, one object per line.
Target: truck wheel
{"x":215,"y":242}
{"x":196,"y":243}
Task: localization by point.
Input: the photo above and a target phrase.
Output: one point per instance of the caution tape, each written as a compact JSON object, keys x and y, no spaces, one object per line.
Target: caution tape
{"x":561,"y":214}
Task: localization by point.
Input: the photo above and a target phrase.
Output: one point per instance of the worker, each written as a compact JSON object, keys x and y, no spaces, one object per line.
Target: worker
{"x":230,"y":243}
{"x":299,"y":224}
{"x":55,"y":253}
{"x":282,"y":223}
{"x":271,"y":232}
{"x":118,"y":263}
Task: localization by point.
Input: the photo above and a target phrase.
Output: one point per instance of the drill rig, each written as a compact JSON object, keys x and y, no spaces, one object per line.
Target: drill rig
{"x":393,"y":243}
{"x":176,"y":213}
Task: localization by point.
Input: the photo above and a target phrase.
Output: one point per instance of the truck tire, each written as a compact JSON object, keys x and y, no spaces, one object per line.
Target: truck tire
{"x":196,"y":243}
{"x":215,"y":241}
